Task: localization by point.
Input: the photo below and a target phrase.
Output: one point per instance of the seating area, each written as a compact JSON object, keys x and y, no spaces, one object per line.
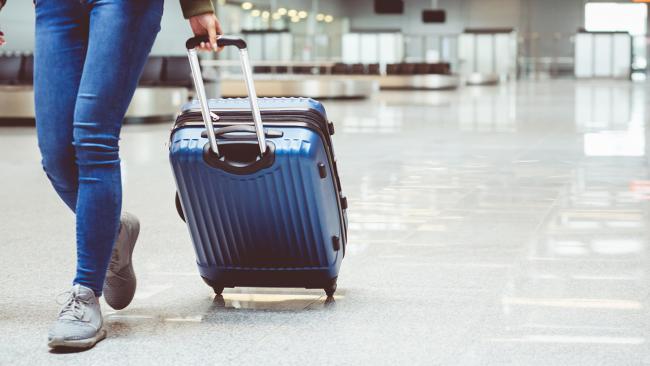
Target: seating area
{"x":441,"y":68}
{"x":279,"y":70}
{"x":16,"y":69}
{"x":162,"y":89}
{"x":167,"y":76}
{"x":174,"y":71}
{"x":167,"y":71}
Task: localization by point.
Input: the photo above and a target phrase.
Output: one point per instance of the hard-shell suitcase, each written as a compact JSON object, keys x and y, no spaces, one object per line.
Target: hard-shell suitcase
{"x":262,"y":203}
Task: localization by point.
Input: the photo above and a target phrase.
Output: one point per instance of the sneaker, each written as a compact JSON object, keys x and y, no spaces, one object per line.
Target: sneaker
{"x":119,"y":286}
{"x":80,"y":321}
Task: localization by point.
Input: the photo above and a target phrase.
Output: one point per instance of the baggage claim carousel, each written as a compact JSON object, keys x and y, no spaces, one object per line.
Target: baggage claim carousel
{"x":297,"y":79}
{"x":156,"y":103}
{"x":149,"y":104}
{"x":335,"y":86}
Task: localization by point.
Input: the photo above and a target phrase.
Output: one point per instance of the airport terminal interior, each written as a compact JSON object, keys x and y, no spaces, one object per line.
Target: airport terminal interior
{"x":494,"y":159}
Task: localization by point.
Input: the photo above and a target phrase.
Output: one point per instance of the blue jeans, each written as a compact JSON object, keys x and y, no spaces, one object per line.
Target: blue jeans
{"x":88,"y":58}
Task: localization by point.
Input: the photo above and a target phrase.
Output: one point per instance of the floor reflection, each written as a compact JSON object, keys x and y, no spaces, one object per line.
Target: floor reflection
{"x":504,"y":225}
{"x":584,"y":278}
{"x":489,"y":110}
{"x":612,"y":118}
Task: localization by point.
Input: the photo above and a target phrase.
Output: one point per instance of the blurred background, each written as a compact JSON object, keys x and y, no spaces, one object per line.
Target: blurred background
{"x":494,"y":154}
{"x":381,"y":44}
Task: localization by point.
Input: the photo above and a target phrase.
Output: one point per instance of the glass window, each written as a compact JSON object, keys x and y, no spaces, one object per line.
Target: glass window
{"x":616,"y":17}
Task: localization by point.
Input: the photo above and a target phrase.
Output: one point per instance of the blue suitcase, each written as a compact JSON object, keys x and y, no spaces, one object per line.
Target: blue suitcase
{"x":263,"y":204}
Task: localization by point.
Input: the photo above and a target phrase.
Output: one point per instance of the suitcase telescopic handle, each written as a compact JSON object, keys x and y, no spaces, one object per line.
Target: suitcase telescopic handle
{"x":222,"y":41}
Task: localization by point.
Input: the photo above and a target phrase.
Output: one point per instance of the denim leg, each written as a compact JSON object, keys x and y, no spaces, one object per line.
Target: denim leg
{"x":121,"y":35}
{"x":61,"y":38}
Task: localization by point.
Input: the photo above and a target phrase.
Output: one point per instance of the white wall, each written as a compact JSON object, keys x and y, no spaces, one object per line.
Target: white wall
{"x":362,"y":17}
{"x":492,"y":13}
{"x":17,"y":23}
{"x":546,"y":18}
{"x":174,"y":31}
{"x":461,"y":14}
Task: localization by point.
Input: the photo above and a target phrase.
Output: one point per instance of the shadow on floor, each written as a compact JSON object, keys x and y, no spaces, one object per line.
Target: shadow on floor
{"x":67,"y":350}
{"x":270,"y":301}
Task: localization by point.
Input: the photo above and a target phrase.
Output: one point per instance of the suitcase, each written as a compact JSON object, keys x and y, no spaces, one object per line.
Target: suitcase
{"x":262,"y":203}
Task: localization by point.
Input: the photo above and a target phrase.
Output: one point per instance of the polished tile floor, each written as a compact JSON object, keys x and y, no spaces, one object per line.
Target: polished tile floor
{"x":504,"y":225}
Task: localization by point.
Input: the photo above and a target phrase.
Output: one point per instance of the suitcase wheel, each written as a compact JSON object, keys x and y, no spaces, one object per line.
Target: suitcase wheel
{"x":179,"y":208}
{"x":217,"y":289}
{"x":329,"y":290}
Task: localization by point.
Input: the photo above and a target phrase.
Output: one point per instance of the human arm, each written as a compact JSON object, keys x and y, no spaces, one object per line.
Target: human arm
{"x":2,"y":35}
{"x":203,"y":21}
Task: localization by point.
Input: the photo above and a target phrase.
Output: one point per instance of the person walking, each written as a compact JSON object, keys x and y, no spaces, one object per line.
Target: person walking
{"x":88,"y":57}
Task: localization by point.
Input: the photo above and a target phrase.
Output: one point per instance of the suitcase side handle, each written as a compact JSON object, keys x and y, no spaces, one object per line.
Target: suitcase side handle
{"x":200,"y":88}
{"x":221,"y":132}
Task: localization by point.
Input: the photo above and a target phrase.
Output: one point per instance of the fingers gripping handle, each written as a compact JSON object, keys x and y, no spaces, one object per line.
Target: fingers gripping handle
{"x":191,"y":45}
{"x":221,"y":42}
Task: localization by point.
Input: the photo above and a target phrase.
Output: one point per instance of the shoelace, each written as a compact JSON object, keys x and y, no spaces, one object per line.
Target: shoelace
{"x":73,"y":305}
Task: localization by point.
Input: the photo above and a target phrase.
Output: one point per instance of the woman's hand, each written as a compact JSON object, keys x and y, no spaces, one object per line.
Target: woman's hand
{"x":207,"y":24}
{"x":2,"y":38}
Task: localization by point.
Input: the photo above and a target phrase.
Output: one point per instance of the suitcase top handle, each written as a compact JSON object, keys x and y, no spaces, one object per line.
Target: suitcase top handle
{"x":221,"y":42}
{"x":191,"y":45}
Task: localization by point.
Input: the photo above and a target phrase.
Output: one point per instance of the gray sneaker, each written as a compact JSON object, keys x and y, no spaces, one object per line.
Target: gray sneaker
{"x":120,"y":283}
{"x":80,"y":321}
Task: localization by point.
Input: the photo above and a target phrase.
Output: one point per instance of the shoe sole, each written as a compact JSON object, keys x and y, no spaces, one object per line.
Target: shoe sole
{"x":77,"y":343}
{"x":131,"y":271}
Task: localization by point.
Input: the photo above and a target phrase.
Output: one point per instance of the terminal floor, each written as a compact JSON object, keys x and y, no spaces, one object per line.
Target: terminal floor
{"x":502,"y":225}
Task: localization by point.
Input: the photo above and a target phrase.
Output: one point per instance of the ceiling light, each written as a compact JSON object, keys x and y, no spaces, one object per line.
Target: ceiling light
{"x":276,"y":16}
{"x":302,"y":14}
{"x":255,"y":12}
{"x":246,"y":5}
{"x":295,"y":19}
{"x":266,"y":14}
{"x":282,"y":11}
{"x":292,"y":13}
{"x":329,"y":18}
{"x":320,"y":17}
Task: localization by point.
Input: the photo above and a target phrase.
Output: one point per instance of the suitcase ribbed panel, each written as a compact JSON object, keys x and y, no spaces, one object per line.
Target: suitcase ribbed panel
{"x":273,"y":219}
